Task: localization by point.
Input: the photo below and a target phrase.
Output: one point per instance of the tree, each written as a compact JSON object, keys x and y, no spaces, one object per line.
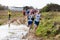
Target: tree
{"x":3,"y":7}
{"x":27,"y":7}
{"x":51,"y":7}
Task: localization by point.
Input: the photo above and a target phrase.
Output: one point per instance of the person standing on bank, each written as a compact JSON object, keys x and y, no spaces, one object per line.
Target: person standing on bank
{"x":9,"y":17}
{"x":37,"y":20}
{"x":9,"y":14}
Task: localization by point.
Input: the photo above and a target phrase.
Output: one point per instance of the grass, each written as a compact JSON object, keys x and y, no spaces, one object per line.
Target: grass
{"x":47,"y":26}
{"x":4,"y":16}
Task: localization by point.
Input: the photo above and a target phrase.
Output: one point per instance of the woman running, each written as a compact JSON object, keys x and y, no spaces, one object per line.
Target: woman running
{"x":37,"y":20}
{"x":30,"y":21}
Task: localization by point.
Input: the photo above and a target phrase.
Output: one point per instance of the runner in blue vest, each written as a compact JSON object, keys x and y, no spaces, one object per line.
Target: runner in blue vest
{"x":30,"y":21}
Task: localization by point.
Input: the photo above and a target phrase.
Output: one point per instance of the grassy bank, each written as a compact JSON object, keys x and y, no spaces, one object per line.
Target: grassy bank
{"x":49,"y":24}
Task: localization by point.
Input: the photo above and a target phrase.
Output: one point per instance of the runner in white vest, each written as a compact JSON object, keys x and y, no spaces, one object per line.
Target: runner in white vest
{"x":37,"y":20}
{"x":37,"y":17}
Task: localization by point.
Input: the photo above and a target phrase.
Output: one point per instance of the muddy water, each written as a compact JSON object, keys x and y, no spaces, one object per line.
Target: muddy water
{"x":14,"y":32}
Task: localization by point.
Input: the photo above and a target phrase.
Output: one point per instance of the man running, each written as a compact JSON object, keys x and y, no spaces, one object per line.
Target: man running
{"x":30,"y":21}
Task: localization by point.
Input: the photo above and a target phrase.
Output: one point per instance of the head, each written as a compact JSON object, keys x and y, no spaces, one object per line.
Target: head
{"x":37,"y":11}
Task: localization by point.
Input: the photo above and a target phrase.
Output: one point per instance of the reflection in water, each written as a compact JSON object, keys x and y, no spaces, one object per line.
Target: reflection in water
{"x":9,"y":25}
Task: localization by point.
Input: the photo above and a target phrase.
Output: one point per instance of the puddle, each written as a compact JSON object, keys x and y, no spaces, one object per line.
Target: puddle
{"x":14,"y":32}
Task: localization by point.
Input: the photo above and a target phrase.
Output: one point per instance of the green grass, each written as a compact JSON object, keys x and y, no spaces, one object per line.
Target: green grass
{"x":46,"y":26}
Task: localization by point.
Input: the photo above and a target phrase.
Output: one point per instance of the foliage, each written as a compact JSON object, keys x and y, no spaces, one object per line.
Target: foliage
{"x":3,"y":7}
{"x":51,"y":7}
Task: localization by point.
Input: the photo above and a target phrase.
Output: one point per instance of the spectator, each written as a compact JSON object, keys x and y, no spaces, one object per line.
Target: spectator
{"x":9,"y":14}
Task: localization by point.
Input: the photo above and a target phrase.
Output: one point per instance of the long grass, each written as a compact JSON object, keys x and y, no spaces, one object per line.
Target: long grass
{"x":47,"y":26}
{"x":4,"y":16}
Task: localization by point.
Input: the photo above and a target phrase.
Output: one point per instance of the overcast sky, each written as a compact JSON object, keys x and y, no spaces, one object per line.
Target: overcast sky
{"x":34,"y":3}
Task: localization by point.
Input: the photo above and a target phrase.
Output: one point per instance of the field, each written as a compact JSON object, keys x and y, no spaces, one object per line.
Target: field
{"x":4,"y":16}
{"x":49,"y":24}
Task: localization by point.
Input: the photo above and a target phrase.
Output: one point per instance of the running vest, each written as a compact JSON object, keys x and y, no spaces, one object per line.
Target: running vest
{"x":37,"y":17}
{"x":27,"y":12}
{"x":30,"y":17}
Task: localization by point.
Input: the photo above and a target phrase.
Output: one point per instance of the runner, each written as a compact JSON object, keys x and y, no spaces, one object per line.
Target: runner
{"x":30,"y":21}
{"x":25,"y":15}
{"x":37,"y":19}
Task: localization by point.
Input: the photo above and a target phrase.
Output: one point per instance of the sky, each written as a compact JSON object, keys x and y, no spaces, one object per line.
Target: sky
{"x":34,"y":3}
